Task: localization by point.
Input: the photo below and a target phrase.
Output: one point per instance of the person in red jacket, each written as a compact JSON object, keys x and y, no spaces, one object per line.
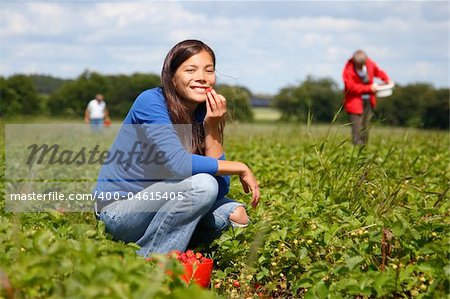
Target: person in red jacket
{"x":359,"y":89}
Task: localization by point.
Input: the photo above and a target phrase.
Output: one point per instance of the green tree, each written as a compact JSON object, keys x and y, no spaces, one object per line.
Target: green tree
{"x":18,"y":96}
{"x":123,"y":90}
{"x":417,"y":105}
{"x":294,"y":103}
{"x":414,"y":102}
{"x":319,"y":97}
{"x":436,"y":113}
{"x":72,"y":97}
{"x":325,"y":97}
{"x":120,"y":91}
{"x":408,"y":105}
{"x":47,"y":84}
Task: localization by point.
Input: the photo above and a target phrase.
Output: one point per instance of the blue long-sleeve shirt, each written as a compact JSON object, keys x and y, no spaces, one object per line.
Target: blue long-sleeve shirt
{"x":148,"y":149}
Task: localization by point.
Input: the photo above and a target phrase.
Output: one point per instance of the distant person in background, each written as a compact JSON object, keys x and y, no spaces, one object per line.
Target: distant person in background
{"x":359,"y":88}
{"x":96,"y":113}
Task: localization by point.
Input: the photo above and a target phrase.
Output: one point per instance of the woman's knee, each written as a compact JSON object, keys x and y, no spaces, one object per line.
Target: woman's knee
{"x":239,"y":216}
{"x":206,"y":187}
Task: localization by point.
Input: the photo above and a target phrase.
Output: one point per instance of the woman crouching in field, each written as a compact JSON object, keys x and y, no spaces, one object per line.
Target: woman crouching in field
{"x":176,"y":196}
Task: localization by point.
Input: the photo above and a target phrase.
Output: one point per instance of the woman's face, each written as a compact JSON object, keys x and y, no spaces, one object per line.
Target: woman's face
{"x":194,"y":77}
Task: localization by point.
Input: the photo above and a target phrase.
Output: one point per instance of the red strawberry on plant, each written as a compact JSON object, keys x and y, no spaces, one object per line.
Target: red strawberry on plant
{"x":174,"y":254}
{"x":183,"y":257}
{"x":190,"y":253}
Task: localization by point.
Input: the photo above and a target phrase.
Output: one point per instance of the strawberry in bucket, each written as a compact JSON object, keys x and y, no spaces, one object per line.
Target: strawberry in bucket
{"x":197,"y":268}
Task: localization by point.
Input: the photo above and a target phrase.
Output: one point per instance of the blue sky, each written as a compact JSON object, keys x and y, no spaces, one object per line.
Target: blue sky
{"x":264,"y":46}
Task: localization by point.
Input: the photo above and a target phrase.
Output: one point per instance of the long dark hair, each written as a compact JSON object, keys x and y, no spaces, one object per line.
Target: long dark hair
{"x":178,"y":112}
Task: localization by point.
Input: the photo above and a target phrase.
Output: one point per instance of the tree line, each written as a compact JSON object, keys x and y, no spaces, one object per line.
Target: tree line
{"x":418,"y":105}
{"x":44,"y":95}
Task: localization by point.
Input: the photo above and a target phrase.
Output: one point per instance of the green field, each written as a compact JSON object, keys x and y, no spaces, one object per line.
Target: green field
{"x":334,"y":221}
{"x":266,"y":114}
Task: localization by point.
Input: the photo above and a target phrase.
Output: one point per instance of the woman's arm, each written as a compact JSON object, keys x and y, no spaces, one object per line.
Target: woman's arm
{"x":248,"y":180}
{"x":216,"y":108}
{"x":213,"y":143}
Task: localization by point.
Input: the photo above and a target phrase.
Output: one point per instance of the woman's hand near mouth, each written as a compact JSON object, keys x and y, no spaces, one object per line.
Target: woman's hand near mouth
{"x":216,"y":109}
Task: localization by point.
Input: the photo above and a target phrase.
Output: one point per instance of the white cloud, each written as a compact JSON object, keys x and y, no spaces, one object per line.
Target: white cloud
{"x":264,"y":46}
{"x":319,"y":24}
{"x":12,"y":24}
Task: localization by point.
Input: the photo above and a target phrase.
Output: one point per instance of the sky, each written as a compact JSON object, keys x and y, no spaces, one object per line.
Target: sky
{"x":262,"y":45}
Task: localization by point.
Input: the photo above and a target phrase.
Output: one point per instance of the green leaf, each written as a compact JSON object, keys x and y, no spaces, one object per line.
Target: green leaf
{"x":320,"y":290}
{"x":354,"y":261}
{"x":384,"y":283}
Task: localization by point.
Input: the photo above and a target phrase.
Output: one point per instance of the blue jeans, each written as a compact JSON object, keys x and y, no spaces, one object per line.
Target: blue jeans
{"x":159,"y":226}
{"x":96,"y":124}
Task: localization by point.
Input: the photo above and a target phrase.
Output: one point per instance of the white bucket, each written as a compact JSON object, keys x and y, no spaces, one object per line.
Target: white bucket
{"x":384,"y":90}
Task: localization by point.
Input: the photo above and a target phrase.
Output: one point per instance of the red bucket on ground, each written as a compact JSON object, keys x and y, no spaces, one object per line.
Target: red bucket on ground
{"x":198,"y":272}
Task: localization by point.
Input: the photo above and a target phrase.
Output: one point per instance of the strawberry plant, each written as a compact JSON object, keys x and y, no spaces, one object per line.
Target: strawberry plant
{"x":340,"y":221}
{"x":335,"y":221}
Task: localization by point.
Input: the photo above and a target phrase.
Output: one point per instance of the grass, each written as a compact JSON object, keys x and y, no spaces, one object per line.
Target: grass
{"x":266,"y":114}
{"x":334,"y":220}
